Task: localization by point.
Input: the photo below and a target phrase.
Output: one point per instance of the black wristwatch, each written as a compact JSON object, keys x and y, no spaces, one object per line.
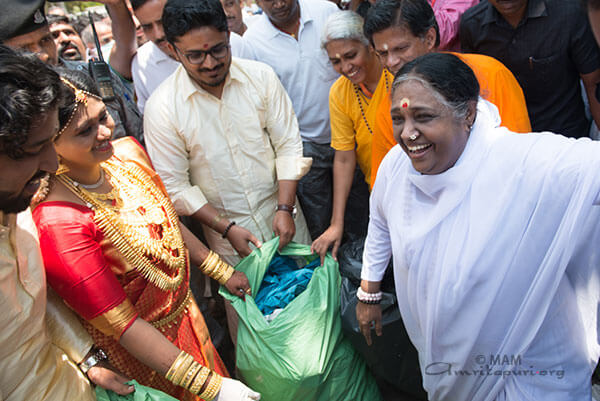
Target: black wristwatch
{"x":97,"y":356}
{"x":287,"y":208}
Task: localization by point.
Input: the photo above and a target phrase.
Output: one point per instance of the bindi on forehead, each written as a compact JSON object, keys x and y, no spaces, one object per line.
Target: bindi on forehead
{"x":205,"y":46}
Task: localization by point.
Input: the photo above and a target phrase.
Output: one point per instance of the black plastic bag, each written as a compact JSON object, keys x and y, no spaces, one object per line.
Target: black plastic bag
{"x":392,"y":357}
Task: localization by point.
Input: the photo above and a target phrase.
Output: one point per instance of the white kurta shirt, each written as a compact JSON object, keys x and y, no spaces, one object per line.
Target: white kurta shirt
{"x":228,"y":152}
{"x":151,"y":66}
{"x":496,"y":263}
{"x":301,"y":65}
{"x":33,"y":366}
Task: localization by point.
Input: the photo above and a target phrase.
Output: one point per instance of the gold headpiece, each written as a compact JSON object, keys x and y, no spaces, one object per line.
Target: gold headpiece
{"x":81,"y":96}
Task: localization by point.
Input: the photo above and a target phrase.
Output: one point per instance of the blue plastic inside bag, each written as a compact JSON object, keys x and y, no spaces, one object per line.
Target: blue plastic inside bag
{"x":283,"y":282}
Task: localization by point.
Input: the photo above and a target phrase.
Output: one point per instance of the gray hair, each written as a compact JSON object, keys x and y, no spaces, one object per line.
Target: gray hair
{"x":459,"y":109}
{"x":346,"y":25}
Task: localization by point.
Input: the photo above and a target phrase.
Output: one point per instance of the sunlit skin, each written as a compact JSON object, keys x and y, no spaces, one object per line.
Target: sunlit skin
{"x":212,"y":72}
{"x":439,"y":138}
{"x":397,"y":46}
{"x":355,"y":61}
{"x":283,"y":13}
{"x":233,"y":11}
{"x":39,"y":42}
{"x":85,"y":142}
{"x":149,"y":15}
{"x":68,"y":42}
{"x":20,"y":178}
{"x":512,"y":11}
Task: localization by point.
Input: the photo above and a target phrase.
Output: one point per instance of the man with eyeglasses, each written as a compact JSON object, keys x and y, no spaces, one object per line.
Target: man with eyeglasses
{"x":222,"y":134}
{"x":154,"y":62}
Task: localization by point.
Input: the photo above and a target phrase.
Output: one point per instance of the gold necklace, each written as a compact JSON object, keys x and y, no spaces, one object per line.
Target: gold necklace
{"x":140,"y":250}
{"x":362,"y":111}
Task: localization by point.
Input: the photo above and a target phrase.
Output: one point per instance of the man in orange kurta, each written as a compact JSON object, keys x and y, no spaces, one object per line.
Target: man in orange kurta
{"x":390,"y":36}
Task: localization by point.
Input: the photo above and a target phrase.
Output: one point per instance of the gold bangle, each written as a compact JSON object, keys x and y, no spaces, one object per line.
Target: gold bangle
{"x":227,"y":273}
{"x":209,"y":263}
{"x":180,"y":373}
{"x":175,"y":365}
{"x":213,"y":388}
{"x":199,"y":380}
{"x":190,"y":374}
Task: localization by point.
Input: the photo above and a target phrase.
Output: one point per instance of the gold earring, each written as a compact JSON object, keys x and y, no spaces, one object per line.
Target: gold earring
{"x":62,"y":168}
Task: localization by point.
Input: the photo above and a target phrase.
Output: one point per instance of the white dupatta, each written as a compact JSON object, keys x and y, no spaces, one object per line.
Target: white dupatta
{"x":496,"y":263}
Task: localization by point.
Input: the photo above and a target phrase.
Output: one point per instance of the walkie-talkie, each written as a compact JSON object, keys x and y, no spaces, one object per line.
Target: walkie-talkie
{"x":100,"y":70}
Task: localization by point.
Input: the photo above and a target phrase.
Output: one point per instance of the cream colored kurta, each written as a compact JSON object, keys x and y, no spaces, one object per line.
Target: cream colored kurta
{"x":33,"y":367}
{"x":228,"y":152}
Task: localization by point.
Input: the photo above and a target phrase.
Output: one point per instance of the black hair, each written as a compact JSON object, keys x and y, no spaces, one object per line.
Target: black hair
{"x":416,"y":15}
{"x":81,"y":81}
{"x":55,"y":19}
{"x":593,"y":4}
{"x":135,"y":4}
{"x":181,"y":16}
{"x":28,"y":89}
{"x":447,"y":75}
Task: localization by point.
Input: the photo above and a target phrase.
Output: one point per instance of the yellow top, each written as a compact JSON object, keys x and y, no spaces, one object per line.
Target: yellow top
{"x":351,"y":127}
{"x":32,"y":364}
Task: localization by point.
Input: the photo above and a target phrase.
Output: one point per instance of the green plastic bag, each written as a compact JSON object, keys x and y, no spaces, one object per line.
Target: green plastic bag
{"x":141,"y":393}
{"x":301,"y":354}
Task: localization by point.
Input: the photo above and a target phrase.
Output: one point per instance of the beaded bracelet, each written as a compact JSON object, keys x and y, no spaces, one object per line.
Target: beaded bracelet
{"x":370,"y":298}
{"x":231,"y":224}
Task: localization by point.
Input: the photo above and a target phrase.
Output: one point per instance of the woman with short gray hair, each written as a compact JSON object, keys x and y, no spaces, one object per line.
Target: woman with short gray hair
{"x":353,"y":101}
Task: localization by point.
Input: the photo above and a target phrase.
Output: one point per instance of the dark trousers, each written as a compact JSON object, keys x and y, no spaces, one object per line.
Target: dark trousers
{"x":315,"y":192}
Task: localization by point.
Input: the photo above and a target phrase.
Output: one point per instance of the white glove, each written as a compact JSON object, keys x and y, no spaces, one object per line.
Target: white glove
{"x":234,"y":390}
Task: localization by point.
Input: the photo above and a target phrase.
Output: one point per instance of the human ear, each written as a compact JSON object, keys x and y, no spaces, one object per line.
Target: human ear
{"x":173,"y":52}
{"x":430,"y":37}
{"x":471,"y":113}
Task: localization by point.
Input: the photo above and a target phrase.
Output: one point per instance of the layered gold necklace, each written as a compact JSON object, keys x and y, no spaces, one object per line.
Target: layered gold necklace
{"x":127,"y":228}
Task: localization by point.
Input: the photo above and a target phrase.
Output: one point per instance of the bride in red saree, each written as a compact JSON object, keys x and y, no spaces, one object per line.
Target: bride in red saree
{"x":115,"y":251}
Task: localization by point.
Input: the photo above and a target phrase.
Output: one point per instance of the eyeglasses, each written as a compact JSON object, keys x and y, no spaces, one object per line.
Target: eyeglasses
{"x":198,"y":56}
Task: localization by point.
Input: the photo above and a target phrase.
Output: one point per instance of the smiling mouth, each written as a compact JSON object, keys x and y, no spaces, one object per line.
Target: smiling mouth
{"x":418,"y":149}
{"x":103,"y":147}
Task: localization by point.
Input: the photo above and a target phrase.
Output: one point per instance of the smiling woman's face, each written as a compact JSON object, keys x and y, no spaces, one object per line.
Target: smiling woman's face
{"x":351,"y":59}
{"x":427,"y":129}
{"x":85,"y":142}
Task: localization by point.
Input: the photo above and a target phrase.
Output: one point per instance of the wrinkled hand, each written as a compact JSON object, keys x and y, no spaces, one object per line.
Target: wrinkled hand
{"x":238,"y":285}
{"x":239,"y":237}
{"x":101,"y":375}
{"x":332,"y":237}
{"x":366,"y":315}
{"x":284,"y":227}
{"x":234,"y":390}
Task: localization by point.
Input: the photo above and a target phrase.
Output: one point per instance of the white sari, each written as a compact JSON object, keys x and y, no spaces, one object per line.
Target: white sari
{"x":496,"y":263}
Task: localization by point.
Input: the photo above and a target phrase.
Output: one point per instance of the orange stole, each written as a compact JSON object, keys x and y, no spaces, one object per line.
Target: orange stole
{"x":187,"y":331}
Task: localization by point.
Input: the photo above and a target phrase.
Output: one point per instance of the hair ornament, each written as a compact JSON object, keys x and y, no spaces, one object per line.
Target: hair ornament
{"x":81,"y":97}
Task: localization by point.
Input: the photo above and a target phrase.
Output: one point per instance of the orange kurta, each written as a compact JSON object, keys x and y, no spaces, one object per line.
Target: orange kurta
{"x":498,"y":85}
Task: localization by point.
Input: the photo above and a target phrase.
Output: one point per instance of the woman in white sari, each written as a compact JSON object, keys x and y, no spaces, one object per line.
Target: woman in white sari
{"x":495,"y":243}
